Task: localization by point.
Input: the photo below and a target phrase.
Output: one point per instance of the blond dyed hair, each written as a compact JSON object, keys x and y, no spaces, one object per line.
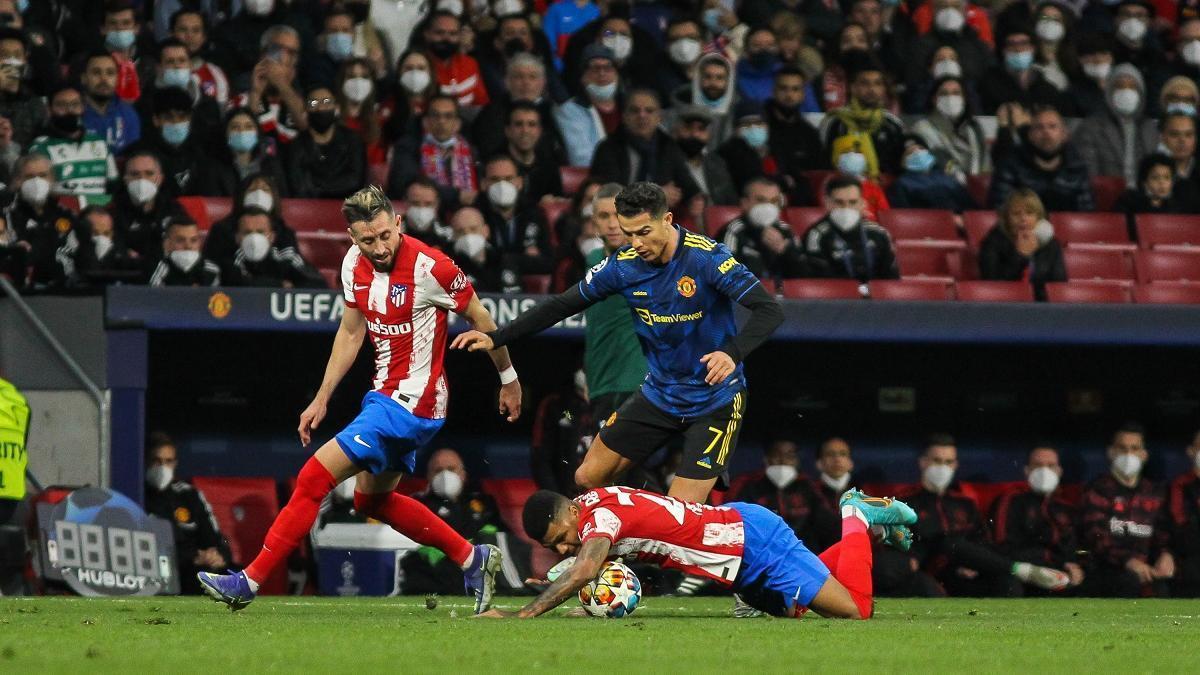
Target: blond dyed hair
{"x":1025,"y":198}
{"x":364,"y":205}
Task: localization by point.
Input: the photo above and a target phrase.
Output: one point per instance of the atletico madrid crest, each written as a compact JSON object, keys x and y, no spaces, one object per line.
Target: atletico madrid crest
{"x":397,"y":294}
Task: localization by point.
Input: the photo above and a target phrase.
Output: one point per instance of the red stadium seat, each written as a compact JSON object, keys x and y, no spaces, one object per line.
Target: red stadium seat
{"x":1108,"y":229}
{"x":536,"y":283}
{"x":942,"y":259}
{"x":985,"y":494}
{"x":332,"y":277}
{"x":1158,"y":265}
{"x":572,"y":178}
{"x":978,"y":186}
{"x":206,"y":210}
{"x":717,"y":217}
{"x":816,"y":181}
{"x":921,"y":224}
{"x":803,"y":217}
{"x":553,"y":210}
{"x":1166,"y":231}
{"x":1089,"y":292}
{"x":1166,"y":293}
{"x":995,"y":291}
{"x":377,"y":174}
{"x":821,"y":289}
{"x":1092,"y":264}
{"x":313,"y":215}
{"x":244,"y":509}
{"x":324,"y":249}
{"x":977,"y":225}
{"x":1106,"y":190}
{"x":935,"y":290}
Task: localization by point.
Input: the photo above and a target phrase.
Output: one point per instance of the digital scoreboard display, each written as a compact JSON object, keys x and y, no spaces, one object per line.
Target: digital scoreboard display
{"x":99,"y":542}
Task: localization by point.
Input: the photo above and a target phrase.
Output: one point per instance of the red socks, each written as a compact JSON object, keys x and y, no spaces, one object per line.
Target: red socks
{"x":850,"y":562}
{"x":415,"y":521}
{"x":294,"y":521}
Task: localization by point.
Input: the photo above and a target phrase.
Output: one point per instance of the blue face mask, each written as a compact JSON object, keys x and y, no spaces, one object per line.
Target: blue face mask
{"x":22,"y":6}
{"x":920,"y":161}
{"x":339,"y":46}
{"x":120,"y":39}
{"x":1018,"y":62}
{"x":712,"y":19}
{"x":853,"y":163}
{"x":176,"y":77}
{"x":755,"y":136}
{"x":1181,"y":108}
{"x":242,"y":141}
{"x":175,"y":134}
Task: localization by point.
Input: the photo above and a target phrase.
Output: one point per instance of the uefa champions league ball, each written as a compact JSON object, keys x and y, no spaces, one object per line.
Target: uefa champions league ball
{"x":615,"y":593}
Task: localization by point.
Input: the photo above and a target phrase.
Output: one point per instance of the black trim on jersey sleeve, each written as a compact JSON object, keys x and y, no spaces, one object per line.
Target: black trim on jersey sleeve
{"x":765,"y":316}
{"x":542,"y":316}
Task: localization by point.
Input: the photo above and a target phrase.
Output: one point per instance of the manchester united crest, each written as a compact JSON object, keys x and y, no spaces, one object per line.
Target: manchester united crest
{"x":686,"y":286}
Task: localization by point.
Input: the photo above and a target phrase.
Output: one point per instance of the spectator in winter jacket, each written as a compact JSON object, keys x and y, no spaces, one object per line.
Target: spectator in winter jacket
{"x":951,"y":131}
{"x":442,"y":154}
{"x":1112,"y":140}
{"x":327,"y":160}
{"x":181,"y":263}
{"x":590,"y":117}
{"x":1157,"y":190}
{"x":1046,"y":163}
{"x":693,"y":131}
{"x":926,"y":183}
{"x":864,"y":123}
{"x":457,"y":73}
{"x":844,"y":244}
{"x":260,"y":263}
{"x":641,"y":151}
{"x":759,"y":238}
{"x":758,"y":65}
{"x":1022,"y":247}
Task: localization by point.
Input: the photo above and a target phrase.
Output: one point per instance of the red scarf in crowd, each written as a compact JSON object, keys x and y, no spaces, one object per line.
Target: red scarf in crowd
{"x":458,"y":172}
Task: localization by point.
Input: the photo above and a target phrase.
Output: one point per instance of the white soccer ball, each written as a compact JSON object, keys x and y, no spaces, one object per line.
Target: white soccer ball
{"x":614,"y":593}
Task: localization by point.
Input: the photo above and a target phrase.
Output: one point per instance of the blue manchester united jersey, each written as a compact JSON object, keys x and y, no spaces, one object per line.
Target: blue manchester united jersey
{"x":682,"y":311}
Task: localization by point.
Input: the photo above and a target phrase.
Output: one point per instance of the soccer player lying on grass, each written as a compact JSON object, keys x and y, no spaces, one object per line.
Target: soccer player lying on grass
{"x":741,"y":546}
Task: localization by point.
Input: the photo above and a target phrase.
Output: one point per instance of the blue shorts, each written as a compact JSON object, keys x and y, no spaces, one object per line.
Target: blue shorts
{"x":778,"y":572}
{"x":385,"y":436}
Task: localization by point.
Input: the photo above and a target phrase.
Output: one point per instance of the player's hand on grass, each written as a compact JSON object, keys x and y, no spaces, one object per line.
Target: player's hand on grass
{"x":1164,"y":567}
{"x":510,"y":400}
{"x":1143,"y":572}
{"x":496,"y":614}
{"x":472,"y":341}
{"x":720,"y":366}
{"x":538,"y":585}
{"x":1074,"y":571}
{"x":310,"y":419}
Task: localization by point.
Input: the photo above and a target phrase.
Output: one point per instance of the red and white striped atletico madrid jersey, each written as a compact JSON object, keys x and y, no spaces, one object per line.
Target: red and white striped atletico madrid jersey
{"x":405,"y":311}
{"x":700,"y":540}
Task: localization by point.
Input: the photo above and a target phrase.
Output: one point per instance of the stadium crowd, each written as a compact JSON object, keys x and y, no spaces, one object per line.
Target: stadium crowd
{"x":494,"y":124}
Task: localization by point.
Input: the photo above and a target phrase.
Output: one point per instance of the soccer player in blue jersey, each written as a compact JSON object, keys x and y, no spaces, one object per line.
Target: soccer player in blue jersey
{"x":681,"y":288}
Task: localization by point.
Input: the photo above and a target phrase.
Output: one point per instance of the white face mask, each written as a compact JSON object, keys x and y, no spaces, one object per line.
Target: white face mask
{"x":836,"y":484}
{"x":951,"y":105}
{"x":1190,"y":51}
{"x":1043,"y":480}
{"x":949,"y":19}
{"x":782,"y":475}
{"x":259,"y":7}
{"x":1098,"y":71}
{"x":35,"y":190}
{"x":455,"y":7}
{"x":1127,"y":464}
{"x":586,"y":246}
{"x":185,"y":260}
{"x":420,"y":217}
{"x":357,"y":89}
{"x":345,"y":490}
{"x":853,"y":163}
{"x":159,"y":476}
{"x":260,"y":198}
{"x":946,"y":68}
{"x":587,"y":210}
{"x":103,"y":244}
{"x":470,"y":245}
{"x":415,"y":81}
{"x":503,"y":194}
{"x":845,"y":218}
{"x":446,"y":484}
{"x":142,"y":190}
{"x":1050,"y":30}
{"x":764,"y":214}
{"x":507,"y":7}
{"x":1126,"y":101}
{"x":938,"y":476}
{"x":685,"y":51}
{"x":1043,"y":232}
{"x":1132,"y":29}
{"x":255,"y":246}
{"x":620,"y":44}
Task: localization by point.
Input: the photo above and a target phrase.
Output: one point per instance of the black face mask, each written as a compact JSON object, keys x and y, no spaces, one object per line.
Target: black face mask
{"x":68,"y":124}
{"x":692,"y":147}
{"x":321,"y":120}
{"x":1044,"y":155}
{"x":762,"y":60}
{"x":443,"y":50}
{"x":513,"y":47}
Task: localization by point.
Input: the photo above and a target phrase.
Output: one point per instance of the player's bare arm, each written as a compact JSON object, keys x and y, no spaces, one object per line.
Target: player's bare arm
{"x":346,"y":344}
{"x":587,"y":565}
{"x":510,"y":387}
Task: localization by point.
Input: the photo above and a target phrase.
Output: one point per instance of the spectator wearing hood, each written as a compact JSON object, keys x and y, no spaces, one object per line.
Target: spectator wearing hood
{"x":951,"y":131}
{"x":588,"y":118}
{"x":714,"y":86}
{"x":1114,"y":139}
{"x":926,"y":183}
{"x":1022,"y":247}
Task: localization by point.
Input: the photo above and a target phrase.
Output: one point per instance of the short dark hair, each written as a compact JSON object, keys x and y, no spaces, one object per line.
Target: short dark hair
{"x":501,"y":157}
{"x":171,"y":99}
{"x":760,"y":180}
{"x":792,"y":71}
{"x":1149,"y":162}
{"x":642,"y":197}
{"x":183,"y":220}
{"x":826,"y":441}
{"x":169,"y":42}
{"x":521,"y":106}
{"x":253,"y":211}
{"x":1129,"y":427}
{"x":143,"y":153}
{"x":540,"y":510}
{"x":444,"y":97}
{"x":841,"y":180}
{"x":10,"y":33}
{"x":94,"y":208}
{"x":157,"y":439}
{"x":97,"y":54}
{"x":423,"y":181}
{"x":189,"y":10}
{"x":938,"y":438}
{"x":118,"y":6}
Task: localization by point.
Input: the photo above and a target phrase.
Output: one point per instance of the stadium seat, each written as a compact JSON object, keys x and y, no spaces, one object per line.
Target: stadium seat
{"x":939,"y":259}
{"x":536,"y":283}
{"x":977,"y":225}
{"x":1105,"y":229}
{"x":553,"y":210}
{"x":572,"y":178}
{"x":995,"y":291}
{"x":802,"y":217}
{"x":1166,"y":231}
{"x":313,"y":215}
{"x":244,"y":509}
{"x":323,"y":249}
{"x":1092,"y":264}
{"x":1106,"y":190}
{"x":377,"y":174}
{"x":985,"y":494}
{"x":716,"y":217}
{"x":1166,"y":293}
{"x":332,"y":277}
{"x":924,"y":224}
{"x":206,"y":210}
{"x":935,"y":290}
{"x":821,"y":289}
{"x":1159,"y":265}
{"x":978,"y":186}
{"x":1089,"y":292}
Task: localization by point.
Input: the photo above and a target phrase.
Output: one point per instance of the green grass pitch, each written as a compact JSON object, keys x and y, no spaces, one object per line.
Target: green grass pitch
{"x":666,"y":635}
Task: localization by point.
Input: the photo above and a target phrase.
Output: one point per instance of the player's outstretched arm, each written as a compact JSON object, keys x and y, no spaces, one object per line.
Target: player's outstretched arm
{"x":510,"y":387}
{"x":533,"y":320}
{"x":345,"y":349}
{"x":587,"y":565}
